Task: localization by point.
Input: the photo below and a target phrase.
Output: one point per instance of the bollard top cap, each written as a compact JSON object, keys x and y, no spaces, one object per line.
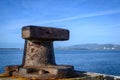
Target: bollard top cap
{"x":44,"y":33}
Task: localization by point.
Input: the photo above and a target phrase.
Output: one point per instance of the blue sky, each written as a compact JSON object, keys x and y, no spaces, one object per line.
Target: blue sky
{"x":89,"y":21}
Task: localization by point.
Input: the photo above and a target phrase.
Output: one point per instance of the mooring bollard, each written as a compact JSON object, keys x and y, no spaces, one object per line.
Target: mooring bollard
{"x":39,"y":45}
{"x":39,"y":60}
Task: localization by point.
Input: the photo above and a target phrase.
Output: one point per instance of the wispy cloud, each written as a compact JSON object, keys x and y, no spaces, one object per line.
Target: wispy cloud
{"x":88,"y":15}
{"x":13,"y":25}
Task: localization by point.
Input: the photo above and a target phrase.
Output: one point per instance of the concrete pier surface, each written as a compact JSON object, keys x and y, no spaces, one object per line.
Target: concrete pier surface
{"x":82,"y":75}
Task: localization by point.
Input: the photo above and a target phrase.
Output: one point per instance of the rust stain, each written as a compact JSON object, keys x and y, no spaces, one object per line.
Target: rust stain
{"x":32,"y":50}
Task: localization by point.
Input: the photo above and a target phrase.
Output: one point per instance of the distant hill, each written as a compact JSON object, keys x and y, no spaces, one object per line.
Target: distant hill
{"x":92,"y":47}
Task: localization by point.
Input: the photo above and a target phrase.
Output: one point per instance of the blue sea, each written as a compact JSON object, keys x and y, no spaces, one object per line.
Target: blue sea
{"x":105,"y":62}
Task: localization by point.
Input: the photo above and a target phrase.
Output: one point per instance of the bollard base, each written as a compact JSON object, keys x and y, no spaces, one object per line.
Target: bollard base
{"x":42,"y":72}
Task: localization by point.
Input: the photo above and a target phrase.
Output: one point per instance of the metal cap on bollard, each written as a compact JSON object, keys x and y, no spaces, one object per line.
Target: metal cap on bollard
{"x":39,"y":60}
{"x":44,"y":33}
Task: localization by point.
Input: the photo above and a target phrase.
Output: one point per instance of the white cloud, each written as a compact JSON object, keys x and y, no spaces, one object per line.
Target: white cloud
{"x":13,"y":25}
{"x":100,"y":13}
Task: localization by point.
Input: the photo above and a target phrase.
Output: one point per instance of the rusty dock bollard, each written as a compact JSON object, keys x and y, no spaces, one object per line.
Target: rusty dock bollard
{"x":39,"y":60}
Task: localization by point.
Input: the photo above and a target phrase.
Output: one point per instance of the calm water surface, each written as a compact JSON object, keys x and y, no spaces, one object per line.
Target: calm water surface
{"x":107,"y":62}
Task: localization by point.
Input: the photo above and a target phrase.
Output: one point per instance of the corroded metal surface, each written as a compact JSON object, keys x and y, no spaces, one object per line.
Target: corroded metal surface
{"x":39,"y":53}
{"x":39,"y":60}
{"x":44,"y":33}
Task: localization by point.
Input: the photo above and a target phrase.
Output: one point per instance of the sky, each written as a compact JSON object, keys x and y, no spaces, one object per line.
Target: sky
{"x":89,"y":21}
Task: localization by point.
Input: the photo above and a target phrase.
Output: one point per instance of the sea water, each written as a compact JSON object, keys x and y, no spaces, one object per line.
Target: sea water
{"x":105,"y":62}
